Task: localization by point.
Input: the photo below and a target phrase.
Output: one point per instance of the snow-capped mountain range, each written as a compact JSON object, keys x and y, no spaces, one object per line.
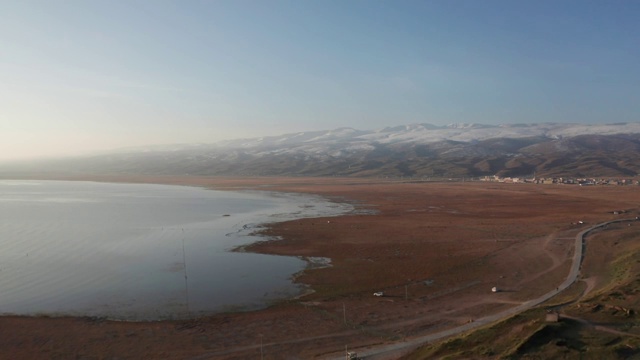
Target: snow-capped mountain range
{"x":408,"y":150}
{"x":428,"y":133}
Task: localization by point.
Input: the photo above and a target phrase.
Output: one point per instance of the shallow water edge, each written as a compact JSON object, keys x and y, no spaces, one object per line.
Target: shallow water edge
{"x":242,"y":234}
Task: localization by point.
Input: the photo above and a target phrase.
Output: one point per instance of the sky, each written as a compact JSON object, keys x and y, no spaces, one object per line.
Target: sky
{"x":92,"y":75}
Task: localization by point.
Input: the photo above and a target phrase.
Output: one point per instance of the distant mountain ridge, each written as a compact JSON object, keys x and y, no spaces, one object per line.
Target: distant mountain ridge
{"x":455,"y":150}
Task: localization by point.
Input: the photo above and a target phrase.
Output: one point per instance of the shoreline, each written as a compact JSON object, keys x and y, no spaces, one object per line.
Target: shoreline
{"x":249,"y":232}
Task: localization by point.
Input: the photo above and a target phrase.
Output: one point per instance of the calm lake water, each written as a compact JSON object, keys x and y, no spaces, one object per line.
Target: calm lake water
{"x":141,"y":252}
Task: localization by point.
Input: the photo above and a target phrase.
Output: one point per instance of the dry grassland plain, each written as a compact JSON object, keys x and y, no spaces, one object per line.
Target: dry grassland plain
{"x":434,"y":249}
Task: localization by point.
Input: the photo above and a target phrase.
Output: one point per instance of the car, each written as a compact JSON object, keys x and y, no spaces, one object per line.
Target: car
{"x":379,"y":293}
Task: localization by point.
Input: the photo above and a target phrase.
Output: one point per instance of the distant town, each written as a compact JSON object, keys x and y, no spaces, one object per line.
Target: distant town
{"x":562,"y":180}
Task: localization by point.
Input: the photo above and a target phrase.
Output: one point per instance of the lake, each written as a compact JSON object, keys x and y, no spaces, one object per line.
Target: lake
{"x":142,"y":252}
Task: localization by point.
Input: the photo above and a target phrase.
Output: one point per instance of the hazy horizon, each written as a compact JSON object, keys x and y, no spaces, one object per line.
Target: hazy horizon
{"x":80,"y":77}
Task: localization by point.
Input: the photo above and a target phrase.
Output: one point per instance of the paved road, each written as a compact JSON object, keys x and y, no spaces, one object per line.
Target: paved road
{"x":395,"y":350}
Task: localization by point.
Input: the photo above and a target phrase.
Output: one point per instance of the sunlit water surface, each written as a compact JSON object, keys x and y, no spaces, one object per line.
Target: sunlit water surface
{"x":141,"y":252}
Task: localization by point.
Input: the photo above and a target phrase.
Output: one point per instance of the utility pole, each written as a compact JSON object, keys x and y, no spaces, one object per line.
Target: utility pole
{"x":186,"y":282}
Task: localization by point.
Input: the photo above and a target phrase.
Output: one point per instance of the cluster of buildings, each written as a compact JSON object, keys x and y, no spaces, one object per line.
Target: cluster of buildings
{"x":562,"y":180}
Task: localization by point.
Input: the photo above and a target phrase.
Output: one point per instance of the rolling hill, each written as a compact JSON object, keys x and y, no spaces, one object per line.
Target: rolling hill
{"x":416,"y":150}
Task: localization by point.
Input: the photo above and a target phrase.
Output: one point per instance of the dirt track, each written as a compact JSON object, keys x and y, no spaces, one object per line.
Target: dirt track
{"x":435,"y":249}
{"x":396,"y":350}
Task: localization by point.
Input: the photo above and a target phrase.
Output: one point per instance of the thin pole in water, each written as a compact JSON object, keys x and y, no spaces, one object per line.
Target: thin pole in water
{"x":186,"y":283}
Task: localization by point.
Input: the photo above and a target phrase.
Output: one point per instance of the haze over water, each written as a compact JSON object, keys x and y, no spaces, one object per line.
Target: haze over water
{"x":116,"y":250}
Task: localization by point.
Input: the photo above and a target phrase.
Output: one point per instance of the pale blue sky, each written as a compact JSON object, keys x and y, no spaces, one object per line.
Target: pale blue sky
{"x":78,"y":76}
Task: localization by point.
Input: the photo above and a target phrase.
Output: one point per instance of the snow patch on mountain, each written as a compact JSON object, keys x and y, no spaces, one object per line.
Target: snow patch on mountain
{"x":350,"y":140}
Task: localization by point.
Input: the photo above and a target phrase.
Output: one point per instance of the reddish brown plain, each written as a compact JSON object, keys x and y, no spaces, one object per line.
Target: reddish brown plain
{"x":434,"y":249}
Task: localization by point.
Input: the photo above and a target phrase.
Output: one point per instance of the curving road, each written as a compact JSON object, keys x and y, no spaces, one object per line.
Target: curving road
{"x":395,"y":350}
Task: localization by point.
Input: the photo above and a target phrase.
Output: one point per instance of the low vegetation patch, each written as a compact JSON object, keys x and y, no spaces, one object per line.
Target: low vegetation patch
{"x":494,"y":341}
